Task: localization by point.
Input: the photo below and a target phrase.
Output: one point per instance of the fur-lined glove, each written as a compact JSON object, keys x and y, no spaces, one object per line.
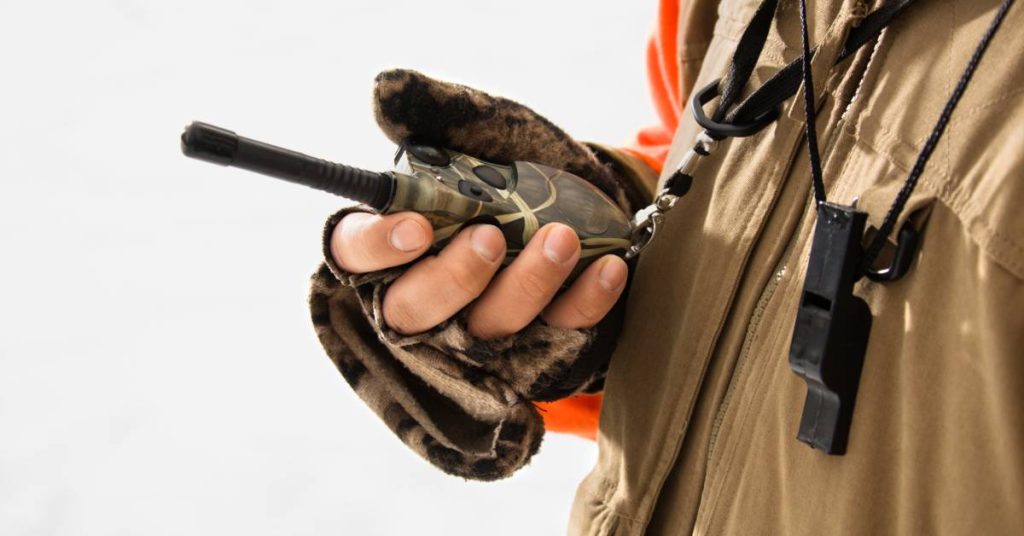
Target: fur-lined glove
{"x":463,"y":403}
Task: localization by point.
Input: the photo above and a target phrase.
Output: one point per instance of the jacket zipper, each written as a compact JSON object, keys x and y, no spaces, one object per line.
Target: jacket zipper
{"x":762,"y":302}
{"x":755,"y":322}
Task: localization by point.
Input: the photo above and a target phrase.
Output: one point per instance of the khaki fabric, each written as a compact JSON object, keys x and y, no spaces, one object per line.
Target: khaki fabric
{"x":698,"y":430}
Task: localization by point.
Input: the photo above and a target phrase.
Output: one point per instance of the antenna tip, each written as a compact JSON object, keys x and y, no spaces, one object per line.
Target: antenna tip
{"x":211,"y":143}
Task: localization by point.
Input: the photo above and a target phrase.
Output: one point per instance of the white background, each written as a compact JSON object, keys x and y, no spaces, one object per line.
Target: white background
{"x":158,"y":370}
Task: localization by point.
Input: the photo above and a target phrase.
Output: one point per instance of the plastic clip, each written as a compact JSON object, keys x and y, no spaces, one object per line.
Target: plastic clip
{"x":720,"y":131}
{"x":906,"y":250}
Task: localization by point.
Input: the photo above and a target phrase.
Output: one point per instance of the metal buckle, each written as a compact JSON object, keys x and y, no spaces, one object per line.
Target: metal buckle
{"x":648,"y":220}
{"x":645,"y":226}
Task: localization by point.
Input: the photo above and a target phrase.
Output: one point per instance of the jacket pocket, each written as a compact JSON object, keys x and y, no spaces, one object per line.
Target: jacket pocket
{"x":972,"y":169}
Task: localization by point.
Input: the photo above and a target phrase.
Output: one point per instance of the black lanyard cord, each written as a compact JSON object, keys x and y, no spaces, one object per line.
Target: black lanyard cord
{"x":761,"y":107}
{"x":833,"y":325}
{"x":809,"y":107}
{"x":889,"y":223}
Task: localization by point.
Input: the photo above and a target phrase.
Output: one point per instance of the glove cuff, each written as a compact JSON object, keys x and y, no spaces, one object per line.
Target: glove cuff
{"x":635,"y":178}
{"x":463,"y":404}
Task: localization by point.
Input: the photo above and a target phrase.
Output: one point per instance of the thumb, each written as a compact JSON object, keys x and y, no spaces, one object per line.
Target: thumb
{"x":364,"y":242}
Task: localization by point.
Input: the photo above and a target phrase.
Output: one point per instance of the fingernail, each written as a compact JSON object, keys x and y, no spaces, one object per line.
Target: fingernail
{"x":560,"y":244}
{"x":485,"y":243}
{"x":407,"y":235}
{"x":612,"y":275}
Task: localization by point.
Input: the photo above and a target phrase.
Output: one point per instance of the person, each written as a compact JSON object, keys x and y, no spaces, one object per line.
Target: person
{"x":699,"y":408}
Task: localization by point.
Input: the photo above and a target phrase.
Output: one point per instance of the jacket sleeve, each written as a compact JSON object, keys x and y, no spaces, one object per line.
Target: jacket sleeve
{"x":670,"y":79}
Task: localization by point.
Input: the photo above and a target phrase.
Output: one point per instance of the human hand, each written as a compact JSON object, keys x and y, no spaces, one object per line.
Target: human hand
{"x":465,"y":273}
{"x":487,"y":341}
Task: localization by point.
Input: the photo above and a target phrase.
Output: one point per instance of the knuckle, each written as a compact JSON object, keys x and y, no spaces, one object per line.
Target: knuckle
{"x":402,"y":315}
{"x":587,"y":309}
{"x":533,"y":285}
{"x":466,"y":280}
{"x":486,"y":330}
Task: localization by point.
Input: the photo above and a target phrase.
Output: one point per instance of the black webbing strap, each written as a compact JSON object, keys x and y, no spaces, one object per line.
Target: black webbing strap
{"x":810,"y":113}
{"x":750,"y":115}
{"x":744,"y":59}
{"x":785,"y":82}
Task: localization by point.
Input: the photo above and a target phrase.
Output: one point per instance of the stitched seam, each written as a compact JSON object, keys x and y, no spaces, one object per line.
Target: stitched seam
{"x":725,"y":35}
{"x":959,"y":117}
{"x":965,"y":210}
{"x":730,"y":17}
{"x":971,"y":112}
{"x":1013,"y":264}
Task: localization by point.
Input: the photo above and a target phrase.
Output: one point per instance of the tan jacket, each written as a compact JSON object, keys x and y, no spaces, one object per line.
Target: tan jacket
{"x":698,"y":430}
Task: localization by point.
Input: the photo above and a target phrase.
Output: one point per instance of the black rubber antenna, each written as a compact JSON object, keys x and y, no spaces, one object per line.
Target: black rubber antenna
{"x":224,"y":147}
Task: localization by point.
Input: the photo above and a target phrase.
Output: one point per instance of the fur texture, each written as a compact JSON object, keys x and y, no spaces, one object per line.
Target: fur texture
{"x":411,"y":105}
{"x":463,"y":404}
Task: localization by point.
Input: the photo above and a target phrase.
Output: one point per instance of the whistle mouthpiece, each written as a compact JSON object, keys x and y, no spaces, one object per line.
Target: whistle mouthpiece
{"x":222,"y":146}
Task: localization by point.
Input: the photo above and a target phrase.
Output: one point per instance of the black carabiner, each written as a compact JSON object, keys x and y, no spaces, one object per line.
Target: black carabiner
{"x":906,"y":250}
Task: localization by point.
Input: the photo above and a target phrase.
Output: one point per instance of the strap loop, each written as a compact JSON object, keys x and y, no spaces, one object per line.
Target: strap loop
{"x":719,"y":130}
{"x":903,"y":258}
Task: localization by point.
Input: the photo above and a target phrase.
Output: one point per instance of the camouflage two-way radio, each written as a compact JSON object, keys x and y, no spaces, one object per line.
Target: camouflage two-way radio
{"x":450,"y":189}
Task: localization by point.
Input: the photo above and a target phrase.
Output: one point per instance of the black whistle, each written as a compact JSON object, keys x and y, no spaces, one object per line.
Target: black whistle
{"x":832,"y":329}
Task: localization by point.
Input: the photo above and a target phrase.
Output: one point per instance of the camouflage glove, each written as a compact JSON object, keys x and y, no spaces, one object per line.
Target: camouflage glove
{"x":462,"y":403}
